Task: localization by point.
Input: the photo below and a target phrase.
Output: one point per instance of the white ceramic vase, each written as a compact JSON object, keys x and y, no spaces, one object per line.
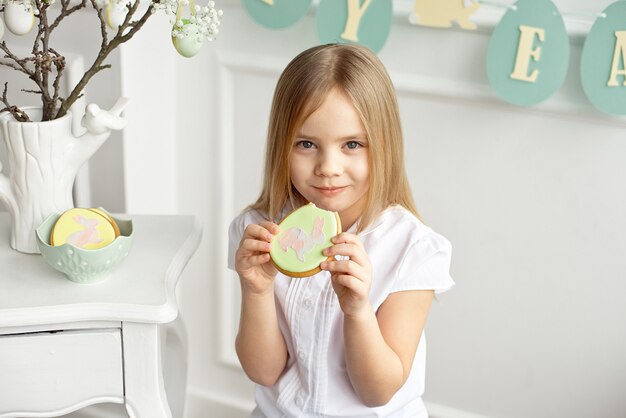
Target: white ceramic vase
{"x":44,"y":158}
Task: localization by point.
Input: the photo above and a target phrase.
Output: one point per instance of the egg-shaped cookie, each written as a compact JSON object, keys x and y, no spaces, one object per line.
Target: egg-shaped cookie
{"x":84,"y":228}
{"x":108,"y":218}
{"x":304,"y":233}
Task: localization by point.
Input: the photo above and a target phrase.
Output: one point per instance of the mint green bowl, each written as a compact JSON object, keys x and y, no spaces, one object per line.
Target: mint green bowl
{"x":78,"y":264}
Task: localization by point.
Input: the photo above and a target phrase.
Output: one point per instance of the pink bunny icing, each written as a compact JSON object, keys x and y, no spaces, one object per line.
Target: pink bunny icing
{"x":89,"y":235}
{"x":301,"y":242}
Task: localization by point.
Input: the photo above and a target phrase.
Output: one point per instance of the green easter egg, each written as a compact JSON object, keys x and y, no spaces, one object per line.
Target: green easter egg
{"x":603,"y":62}
{"x":189,"y":45}
{"x":528,"y":53}
{"x":337,"y":22}
{"x":277,"y":14}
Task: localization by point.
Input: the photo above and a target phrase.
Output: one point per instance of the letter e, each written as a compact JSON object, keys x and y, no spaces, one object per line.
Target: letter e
{"x":525,"y":52}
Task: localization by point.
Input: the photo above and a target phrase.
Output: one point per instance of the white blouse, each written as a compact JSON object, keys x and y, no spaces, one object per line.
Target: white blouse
{"x":405,"y":254}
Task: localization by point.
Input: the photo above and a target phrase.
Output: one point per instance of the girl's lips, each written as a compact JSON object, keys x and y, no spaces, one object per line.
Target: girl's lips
{"x":330,"y":191}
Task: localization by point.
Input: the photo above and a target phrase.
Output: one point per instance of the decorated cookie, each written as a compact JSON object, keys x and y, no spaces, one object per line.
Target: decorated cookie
{"x":108,"y":218}
{"x":84,"y":228}
{"x":304,"y":233}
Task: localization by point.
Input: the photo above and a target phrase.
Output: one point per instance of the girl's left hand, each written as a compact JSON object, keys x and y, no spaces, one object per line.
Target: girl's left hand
{"x":351,"y":278}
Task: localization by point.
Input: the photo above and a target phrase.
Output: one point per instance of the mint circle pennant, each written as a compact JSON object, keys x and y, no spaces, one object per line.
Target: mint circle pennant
{"x":528,"y":53}
{"x":277,"y":14}
{"x":353,"y":21}
{"x":603,"y":61}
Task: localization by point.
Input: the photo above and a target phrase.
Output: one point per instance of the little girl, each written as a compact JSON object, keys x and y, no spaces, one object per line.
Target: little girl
{"x":349,"y":341}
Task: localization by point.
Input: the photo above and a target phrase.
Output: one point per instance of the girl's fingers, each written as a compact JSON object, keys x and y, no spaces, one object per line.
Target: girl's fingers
{"x":256,"y":260}
{"x":344,"y":266}
{"x":271,"y":227}
{"x":346,"y":238}
{"x":251,"y":262}
{"x":347,"y":281}
{"x":353,"y":251}
{"x":348,"y":245}
{"x":251,"y":259}
{"x":258,"y":232}
{"x":254,"y":245}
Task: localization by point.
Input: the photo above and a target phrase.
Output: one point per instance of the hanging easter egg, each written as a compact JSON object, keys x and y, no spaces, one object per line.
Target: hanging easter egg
{"x":115,"y":13}
{"x":353,"y":21}
{"x":528,"y":53}
{"x":18,"y":18}
{"x":187,"y":38}
{"x":277,"y":14}
{"x":603,"y":61}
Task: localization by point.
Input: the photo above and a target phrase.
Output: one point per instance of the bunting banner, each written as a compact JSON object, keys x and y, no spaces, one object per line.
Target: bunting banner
{"x":528,"y":53}
{"x":527,"y":56}
{"x":603,"y":60}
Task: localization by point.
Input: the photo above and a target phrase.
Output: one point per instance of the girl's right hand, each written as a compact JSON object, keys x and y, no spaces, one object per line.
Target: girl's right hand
{"x":252,"y":260}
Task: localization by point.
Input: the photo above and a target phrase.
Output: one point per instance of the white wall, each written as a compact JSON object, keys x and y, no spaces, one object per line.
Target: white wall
{"x":531,"y":198}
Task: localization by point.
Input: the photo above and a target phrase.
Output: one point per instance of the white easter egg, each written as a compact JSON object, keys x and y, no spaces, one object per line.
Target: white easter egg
{"x":115,"y":14}
{"x":1,"y":28}
{"x":17,"y":19}
{"x":188,"y":45}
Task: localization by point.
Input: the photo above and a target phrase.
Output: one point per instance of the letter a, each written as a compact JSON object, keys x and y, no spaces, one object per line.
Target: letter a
{"x":618,"y":55}
{"x":525,"y":52}
{"x":355,"y":12}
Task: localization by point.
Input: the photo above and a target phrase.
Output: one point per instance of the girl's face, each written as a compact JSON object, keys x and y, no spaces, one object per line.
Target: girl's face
{"x":329,"y":159}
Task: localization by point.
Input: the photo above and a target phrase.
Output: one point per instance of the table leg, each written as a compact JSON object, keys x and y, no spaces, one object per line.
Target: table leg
{"x":144,"y":392}
{"x":174,"y":355}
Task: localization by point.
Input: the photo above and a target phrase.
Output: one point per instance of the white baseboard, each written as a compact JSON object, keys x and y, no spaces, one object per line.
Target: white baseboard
{"x":203,"y":404}
{"x":436,"y":410}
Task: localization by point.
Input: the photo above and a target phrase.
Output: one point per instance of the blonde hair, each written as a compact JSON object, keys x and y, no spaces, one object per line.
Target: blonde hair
{"x":301,"y":89}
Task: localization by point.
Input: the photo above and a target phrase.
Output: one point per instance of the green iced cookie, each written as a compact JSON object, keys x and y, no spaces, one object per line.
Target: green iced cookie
{"x":304,"y":234}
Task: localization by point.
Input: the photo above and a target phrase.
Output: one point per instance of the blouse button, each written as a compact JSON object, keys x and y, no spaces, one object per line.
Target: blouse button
{"x":301,"y":355}
{"x":299,"y":401}
{"x":308,"y":304}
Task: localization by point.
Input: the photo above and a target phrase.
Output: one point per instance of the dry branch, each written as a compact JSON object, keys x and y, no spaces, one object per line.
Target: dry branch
{"x":44,"y":60}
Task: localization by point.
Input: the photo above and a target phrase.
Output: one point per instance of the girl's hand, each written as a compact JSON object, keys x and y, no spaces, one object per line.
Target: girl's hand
{"x":351,"y":278}
{"x":252,"y":260}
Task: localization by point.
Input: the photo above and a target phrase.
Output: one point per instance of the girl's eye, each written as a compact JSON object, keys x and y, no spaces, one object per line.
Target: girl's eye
{"x":305,"y":144}
{"x":353,"y":145}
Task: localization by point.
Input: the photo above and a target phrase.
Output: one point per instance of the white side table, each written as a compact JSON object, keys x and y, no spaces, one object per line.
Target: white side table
{"x":64,"y":345}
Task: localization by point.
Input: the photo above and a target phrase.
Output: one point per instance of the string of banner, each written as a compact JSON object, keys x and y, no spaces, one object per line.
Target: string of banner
{"x":528,"y":52}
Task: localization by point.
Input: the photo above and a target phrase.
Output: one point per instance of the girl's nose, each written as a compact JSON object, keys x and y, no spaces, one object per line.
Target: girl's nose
{"x":329,"y":164}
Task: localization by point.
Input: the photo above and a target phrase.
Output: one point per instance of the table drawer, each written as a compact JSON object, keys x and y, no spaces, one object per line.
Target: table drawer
{"x":58,"y":371}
